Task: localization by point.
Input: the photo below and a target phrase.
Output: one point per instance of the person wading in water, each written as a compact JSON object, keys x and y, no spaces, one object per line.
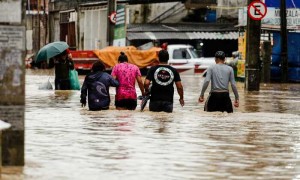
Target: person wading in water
{"x":220,"y":76}
{"x":163,"y":77}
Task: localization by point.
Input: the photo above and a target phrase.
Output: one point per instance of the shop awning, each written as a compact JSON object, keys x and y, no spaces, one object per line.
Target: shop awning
{"x":182,"y":35}
{"x":182,"y":31}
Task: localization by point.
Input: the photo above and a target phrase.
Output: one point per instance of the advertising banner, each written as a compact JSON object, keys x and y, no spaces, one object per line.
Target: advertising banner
{"x":120,"y":27}
{"x":289,"y":3}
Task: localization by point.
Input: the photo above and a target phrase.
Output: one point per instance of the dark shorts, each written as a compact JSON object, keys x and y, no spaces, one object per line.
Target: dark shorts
{"x":218,"y":101}
{"x":98,"y":109}
{"x":62,"y":84}
{"x":158,"y":106}
{"x":129,"y":104}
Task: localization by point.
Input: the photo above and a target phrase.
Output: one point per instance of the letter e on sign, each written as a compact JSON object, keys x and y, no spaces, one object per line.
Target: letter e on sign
{"x":257,"y":10}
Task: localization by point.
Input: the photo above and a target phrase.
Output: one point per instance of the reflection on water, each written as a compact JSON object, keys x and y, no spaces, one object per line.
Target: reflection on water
{"x":260,"y":140}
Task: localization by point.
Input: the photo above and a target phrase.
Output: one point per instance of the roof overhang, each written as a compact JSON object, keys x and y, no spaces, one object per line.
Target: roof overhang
{"x":182,"y":35}
{"x":182,"y":31}
{"x":149,"y":1}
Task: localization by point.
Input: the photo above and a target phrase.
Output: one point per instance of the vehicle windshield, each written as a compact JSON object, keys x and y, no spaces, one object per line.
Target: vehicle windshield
{"x":194,"y":53}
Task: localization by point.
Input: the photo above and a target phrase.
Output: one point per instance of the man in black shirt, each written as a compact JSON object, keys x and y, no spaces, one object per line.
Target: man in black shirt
{"x":163,"y":77}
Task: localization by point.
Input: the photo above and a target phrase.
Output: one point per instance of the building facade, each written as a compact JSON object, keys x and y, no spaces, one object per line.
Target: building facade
{"x":83,"y":24}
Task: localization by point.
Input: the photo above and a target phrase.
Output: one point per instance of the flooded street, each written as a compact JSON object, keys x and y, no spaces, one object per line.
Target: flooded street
{"x":63,"y":141}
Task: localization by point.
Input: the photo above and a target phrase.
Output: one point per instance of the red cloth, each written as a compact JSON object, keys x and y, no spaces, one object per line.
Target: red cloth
{"x":164,"y":46}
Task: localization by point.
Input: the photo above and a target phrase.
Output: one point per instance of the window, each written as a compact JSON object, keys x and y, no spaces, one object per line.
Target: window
{"x":194,"y":53}
{"x":181,"y":54}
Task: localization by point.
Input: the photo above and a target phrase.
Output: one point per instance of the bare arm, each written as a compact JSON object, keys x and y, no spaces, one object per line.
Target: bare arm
{"x":205,"y":85}
{"x":71,"y":62}
{"x":146,"y":86}
{"x":233,"y":85}
{"x":113,"y":82}
{"x":234,"y":89}
{"x":180,"y":92}
{"x":83,"y":93}
{"x":140,"y":83}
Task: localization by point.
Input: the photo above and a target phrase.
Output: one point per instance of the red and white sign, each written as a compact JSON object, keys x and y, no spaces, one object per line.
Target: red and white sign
{"x":257,"y":10}
{"x":113,"y":17}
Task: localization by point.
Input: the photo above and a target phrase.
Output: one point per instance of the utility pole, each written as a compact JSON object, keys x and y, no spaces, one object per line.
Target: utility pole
{"x":283,"y":33}
{"x":252,"y":71}
{"x":39,"y":25}
{"x":111,"y":9}
{"x":45,"y":22}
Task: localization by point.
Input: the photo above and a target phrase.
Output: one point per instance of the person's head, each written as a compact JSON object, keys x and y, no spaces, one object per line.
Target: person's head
{"x":164,"y":46}
{"x":64,"y":54}
{"x":122,"y":58}
{"x":98,"y":66}
{"x":220,"y":56}
{"x":163,"y":56}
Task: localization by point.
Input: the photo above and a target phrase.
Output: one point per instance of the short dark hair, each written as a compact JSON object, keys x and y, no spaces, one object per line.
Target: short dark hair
{"x":98,"y":66}
{"x":122,"y":57}
{"x":163,"y":56}
{"x":220,"y":55}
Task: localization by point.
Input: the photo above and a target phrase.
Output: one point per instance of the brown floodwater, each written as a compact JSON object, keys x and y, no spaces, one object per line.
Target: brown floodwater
{"x":260,"y":140}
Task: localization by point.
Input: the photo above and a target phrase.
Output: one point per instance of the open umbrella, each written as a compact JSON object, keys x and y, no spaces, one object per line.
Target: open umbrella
{"x":50,"y":50}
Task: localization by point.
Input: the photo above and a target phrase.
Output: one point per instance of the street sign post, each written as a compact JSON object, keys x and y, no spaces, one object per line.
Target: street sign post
{"x":257,"y":10}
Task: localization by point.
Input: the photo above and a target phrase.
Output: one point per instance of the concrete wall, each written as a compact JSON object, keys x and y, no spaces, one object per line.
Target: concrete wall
{"x":12,"y":82}
{"x":147,"y":12}
{"x":228,"y":9}
{"x":12,"y":93}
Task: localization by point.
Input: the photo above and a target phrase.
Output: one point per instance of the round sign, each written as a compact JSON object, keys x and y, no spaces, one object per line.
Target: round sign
{"x":113,"y":17}
{"x":257,"y":10}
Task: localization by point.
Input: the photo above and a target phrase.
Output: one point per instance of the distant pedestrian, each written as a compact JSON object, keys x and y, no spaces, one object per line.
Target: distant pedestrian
{"x":220,"y":76}
{"x":163,"y":77}
{"x":127,"y":74}
{"x":164,"y":46}
{"x":63,"y":63}
{"x":96,"y":87}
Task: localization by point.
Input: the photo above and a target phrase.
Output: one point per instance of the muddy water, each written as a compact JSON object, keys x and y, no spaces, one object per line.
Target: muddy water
{"x":260,"y":140}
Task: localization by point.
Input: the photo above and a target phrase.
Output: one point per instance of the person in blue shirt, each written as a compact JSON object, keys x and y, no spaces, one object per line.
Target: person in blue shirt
{"x":96,"y":87}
